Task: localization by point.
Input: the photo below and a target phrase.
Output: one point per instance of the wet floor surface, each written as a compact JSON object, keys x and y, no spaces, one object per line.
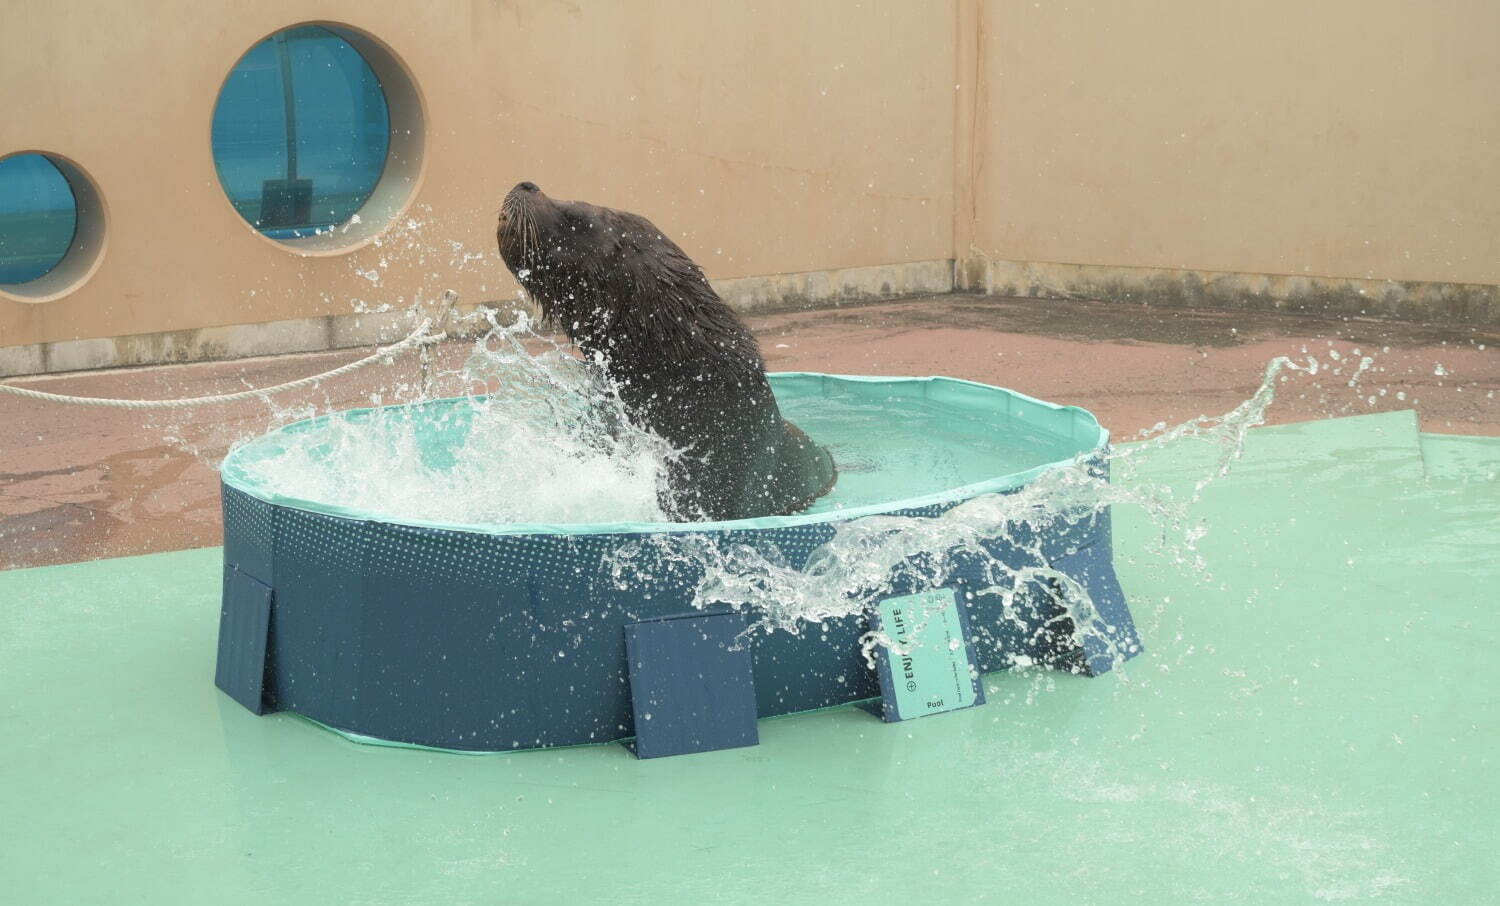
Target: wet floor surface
{"x":1314,"y":719}
{"x":84,"y":483}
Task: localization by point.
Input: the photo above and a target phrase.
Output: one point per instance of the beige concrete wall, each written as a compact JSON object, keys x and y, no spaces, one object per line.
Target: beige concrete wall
{"x":1339,"y":138}
{"x":788,"y":137}
{"x":852,"y":145}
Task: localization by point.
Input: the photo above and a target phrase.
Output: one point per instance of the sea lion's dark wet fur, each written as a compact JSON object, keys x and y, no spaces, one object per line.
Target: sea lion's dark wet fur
{"x":685,"y":366}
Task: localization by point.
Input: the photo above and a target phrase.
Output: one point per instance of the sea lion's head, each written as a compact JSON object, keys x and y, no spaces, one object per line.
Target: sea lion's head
{"x":542,"y":238}
{"x":561,"y":252}
{"x":614,"y":282}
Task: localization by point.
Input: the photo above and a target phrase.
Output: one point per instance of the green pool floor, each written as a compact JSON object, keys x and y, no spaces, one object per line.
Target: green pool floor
{"x":1315,"y":720}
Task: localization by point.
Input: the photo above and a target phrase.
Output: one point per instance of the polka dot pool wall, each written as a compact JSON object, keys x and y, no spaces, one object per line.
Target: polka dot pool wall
{"x":473,"y":640}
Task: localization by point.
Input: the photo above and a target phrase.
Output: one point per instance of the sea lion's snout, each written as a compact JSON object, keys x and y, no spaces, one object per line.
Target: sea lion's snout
{"x":519,"y":232}
{"x":518,"y":198}
{"x":523,"y":193}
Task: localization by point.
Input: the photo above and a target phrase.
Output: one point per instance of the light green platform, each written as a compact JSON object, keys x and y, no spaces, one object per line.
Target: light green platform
{"x":1461,"y":458}
{"x":1317,"y":721}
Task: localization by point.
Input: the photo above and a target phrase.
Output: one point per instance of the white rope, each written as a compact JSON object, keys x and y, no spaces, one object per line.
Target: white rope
{"x":419,"y":337}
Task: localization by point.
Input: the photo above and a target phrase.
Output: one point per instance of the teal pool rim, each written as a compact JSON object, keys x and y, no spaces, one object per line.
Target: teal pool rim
{"x":1095,"y":439}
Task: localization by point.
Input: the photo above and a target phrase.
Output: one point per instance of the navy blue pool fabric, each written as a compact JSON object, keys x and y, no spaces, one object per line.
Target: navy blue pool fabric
{"x":692,"y":684}
{"x":489,"y":642}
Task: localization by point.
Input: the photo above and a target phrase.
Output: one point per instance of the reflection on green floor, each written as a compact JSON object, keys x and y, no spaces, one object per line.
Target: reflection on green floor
{"x":1315,"y":720}
{"x":1460,"y":458}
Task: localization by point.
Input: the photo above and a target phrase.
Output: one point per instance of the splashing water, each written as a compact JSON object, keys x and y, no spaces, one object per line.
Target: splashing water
{"x":869,"y":558}
{"x":548,"y":443}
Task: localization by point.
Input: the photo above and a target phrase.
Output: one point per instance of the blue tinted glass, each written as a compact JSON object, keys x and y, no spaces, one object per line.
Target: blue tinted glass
{"x":37,"y":217}
{"x":300,"y":132}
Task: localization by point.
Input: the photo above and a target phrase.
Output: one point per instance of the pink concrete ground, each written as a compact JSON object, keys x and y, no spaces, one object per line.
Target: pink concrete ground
{"x":83,"y":483}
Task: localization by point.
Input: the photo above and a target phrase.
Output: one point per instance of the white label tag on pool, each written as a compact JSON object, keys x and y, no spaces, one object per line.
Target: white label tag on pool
{"x":929,"y":666}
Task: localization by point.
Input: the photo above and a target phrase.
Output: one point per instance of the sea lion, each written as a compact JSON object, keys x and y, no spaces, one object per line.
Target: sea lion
{"x":685,"y":366}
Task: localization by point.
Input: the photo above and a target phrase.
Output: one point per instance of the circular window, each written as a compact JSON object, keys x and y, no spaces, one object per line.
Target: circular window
{"x":38,"y":217}
{"x":316,"y":137}
{"x":51,"y":226}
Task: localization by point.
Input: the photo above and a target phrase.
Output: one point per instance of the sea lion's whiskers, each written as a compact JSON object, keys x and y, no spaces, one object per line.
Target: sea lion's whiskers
{"x":536,"y":239}
{"x":518,"y":223}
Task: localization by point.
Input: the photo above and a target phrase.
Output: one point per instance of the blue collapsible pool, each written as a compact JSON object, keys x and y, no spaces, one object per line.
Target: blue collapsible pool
{"x":499,"y":637}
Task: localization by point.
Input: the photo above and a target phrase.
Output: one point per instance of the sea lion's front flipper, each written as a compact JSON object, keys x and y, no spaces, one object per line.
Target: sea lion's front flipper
{"x":805,"y":471}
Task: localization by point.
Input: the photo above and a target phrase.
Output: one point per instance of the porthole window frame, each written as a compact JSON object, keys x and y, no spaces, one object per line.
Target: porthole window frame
{"x":90,"y":235}
{"x":405,"y":161}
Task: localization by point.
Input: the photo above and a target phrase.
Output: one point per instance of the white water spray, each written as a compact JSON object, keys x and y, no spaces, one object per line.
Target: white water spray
{"x":868,"y":558}
{"x":544,"y":442}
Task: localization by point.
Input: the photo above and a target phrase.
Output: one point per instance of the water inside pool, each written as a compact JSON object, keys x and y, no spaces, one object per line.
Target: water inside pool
{"x":543,"y":444}
{"x":900,"y":444}
{"x":548,"y":444}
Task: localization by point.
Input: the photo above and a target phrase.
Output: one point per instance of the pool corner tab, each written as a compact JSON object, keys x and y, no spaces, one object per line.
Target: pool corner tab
{"x":927,"y":664}
{"x":692,"y":684}
{"x":244,"y":632}
{"x":1109,"y":635}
